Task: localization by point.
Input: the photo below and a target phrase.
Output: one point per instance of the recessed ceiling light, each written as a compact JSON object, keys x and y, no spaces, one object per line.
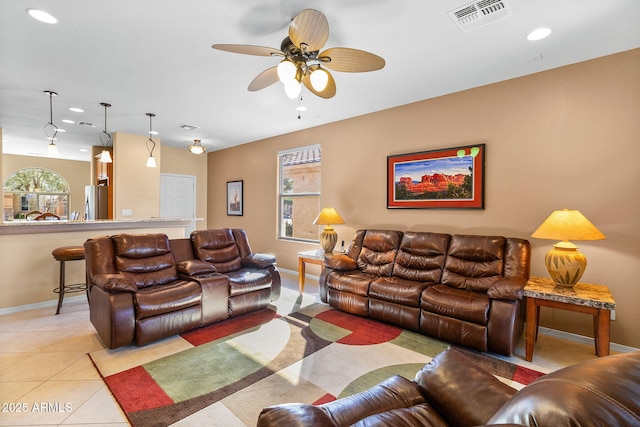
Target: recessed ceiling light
{"x":153,"y":132}
{"x":61,"y":130}
{"x":76,"y":110}
{"x":67,"y":121}
{"x":42,"y":16}
{"x":83,"y":150}
{"x":538,"y":34}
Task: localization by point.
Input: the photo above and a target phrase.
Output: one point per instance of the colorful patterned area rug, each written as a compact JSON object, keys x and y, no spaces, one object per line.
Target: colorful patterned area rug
{"x":224,"y":374}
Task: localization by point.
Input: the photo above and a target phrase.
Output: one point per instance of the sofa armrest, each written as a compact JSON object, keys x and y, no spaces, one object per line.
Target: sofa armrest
{"x":507,"y":288}
{"x":111,"y":282}
{"x":340,"y":262}
{"x":195,"y":267}
{"x":393,"y":393}
{"x":462,"y":392}
{"x":294,"y":415}
{"x":258,"y":260}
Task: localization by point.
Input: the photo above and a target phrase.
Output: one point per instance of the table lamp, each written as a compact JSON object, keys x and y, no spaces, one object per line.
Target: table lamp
{"x":564,"y":262}
{"x":329,"y":237}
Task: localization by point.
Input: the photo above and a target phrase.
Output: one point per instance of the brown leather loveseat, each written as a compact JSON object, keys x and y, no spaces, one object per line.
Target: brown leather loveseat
{"x":145,"y":287}
{"x":452,"y":390}
{"x":463,"y":289}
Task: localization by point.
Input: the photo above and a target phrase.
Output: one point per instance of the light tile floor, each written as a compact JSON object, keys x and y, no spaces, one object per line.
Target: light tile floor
{"x":47,"y":378}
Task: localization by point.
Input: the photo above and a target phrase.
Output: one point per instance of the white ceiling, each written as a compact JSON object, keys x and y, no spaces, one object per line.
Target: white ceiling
{"x":155,"y":56}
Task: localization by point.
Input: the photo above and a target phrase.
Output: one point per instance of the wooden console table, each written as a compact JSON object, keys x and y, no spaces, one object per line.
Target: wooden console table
{"x":311,"y":257}
{"x":583,"y":298}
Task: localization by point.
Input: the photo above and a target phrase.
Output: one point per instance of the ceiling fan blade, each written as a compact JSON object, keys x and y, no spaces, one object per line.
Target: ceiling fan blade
{"x":351,"y":60}
{"x":264,"y":79}
{"x":249,"y":49}
{"x":328,"y":92}
{"x":310,"y":28}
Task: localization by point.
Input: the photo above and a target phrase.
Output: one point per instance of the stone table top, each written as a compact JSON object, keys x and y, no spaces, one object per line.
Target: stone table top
{"x":597,"y":296}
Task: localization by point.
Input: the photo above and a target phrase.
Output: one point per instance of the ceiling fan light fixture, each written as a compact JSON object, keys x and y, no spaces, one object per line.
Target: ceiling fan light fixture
{"x":319,"y":79}
{"x":196,"y":147}
{"x":286,"y":71}
{"x":292,"y":89}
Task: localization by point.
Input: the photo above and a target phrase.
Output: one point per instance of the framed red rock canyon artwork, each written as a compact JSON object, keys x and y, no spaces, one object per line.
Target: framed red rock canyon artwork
{"x":447,"y":178}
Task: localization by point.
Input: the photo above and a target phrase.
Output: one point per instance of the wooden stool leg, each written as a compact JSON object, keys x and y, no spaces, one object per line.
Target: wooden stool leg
{"x":61,"y":288}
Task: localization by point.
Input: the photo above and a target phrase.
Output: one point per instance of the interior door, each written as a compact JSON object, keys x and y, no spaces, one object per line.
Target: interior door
{"x":178,"y":198}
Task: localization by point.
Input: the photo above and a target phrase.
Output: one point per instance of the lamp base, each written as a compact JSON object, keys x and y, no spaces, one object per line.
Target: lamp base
{"x":328,"y":239}
{"x":565,"y":264}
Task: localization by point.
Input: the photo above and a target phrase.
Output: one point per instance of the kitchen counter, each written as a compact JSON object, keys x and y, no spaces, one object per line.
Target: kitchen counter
{"x":31,"y":227}
{"x":29,"y":272}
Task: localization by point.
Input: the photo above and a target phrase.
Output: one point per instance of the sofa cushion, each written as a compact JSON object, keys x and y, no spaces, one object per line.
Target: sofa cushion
{"x":421,"y":256}
{"x":397,"y":290}
{"x":248,"y":280}
{"x":474,"y":262}
{"x":145,"y":258}
{"x":355,"y":282}
{"x":463,"y":392}
{"x":457,"y":303}
{"x":378,"y":253}
{"x":161,"y":299}
{"x":217,"y":246}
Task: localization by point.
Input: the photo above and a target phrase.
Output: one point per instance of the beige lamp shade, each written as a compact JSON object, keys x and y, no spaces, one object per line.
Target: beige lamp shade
{"x":328,"y":237}
{"x":564,"y":262}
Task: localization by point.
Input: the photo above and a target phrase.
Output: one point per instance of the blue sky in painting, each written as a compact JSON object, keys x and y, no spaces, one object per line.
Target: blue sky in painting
{"x":449,"y":166}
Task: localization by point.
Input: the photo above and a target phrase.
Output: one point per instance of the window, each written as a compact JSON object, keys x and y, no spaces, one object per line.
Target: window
{"x":35,"y":189}
{"x":299,"y":193}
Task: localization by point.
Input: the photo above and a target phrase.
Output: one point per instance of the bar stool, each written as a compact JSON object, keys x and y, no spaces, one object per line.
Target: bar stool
{"x":64,"y":254}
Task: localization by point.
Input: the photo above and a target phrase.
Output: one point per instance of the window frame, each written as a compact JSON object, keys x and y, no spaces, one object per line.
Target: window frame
{"x":281,"y":234}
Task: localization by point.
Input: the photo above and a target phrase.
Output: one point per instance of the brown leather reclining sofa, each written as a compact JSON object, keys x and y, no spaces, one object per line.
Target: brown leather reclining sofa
{"x":463,"y":289}
{"x":452,"y":390}
{"x":145,"y":287}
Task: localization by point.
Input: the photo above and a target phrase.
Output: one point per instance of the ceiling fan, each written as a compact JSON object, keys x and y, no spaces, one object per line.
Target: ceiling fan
{"x":303,"y":63}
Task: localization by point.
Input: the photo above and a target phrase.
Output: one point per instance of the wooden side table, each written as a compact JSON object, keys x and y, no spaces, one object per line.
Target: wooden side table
{"x":583,"y":298}
{"x":311,"y":257}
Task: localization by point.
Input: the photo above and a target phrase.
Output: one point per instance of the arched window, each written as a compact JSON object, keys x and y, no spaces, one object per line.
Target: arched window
{"x":35,"y":189}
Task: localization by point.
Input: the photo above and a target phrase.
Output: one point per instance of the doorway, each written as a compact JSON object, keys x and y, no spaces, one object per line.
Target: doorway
{"x":178,"y":198}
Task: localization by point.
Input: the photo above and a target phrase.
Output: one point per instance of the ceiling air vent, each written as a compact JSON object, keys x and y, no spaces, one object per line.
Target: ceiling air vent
{"x":479,"y":13}
{"x":86,"y":124}
{"x":188,"y":127}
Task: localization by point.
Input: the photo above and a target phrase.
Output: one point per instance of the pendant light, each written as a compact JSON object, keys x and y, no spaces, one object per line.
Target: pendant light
{"x":151,"y":162}
{"x":197,"y":147}
{"x":105,"y":138}
{"x":50,"y":129}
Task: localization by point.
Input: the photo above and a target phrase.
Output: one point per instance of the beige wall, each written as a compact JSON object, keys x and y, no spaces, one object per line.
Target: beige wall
{"x":75,"y":172}
{"x":565,"y":138}
{"x":136,"y":187}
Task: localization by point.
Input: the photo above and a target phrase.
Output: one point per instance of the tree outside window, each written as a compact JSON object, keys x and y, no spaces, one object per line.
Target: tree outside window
{"x":35,"y":189}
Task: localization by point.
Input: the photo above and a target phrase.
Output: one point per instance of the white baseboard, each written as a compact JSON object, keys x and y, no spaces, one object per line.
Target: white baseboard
{"x":50,"y":303}
{"x":582,"y":339}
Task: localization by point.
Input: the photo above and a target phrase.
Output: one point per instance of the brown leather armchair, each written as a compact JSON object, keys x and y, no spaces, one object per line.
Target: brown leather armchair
{"x":452,"y":390}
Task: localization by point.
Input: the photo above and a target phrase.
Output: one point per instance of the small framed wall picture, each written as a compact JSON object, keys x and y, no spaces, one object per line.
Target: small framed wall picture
{"x":235,"y":202}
